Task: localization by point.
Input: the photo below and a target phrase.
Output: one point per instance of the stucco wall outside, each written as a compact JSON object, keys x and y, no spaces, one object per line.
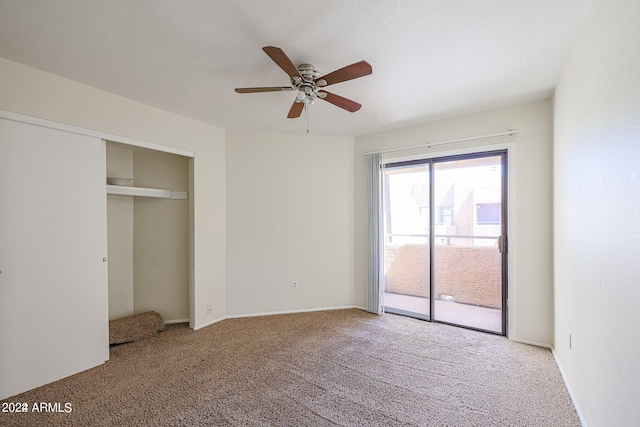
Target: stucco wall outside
{"x":471,"y":275}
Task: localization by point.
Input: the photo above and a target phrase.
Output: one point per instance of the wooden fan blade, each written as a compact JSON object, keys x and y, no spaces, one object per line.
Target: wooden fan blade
{"x":262,"y":89}
{"x":350,"y":72}
{"x":280,"y":58}
{"x":340,"y":101}
{"x":296,"y":110}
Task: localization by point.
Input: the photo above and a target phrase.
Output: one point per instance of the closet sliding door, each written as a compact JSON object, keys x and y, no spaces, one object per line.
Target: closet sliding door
{"x":53,"y":280}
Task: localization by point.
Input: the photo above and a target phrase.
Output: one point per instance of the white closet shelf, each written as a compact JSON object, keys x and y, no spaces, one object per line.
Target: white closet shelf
{"x":121,"y":190}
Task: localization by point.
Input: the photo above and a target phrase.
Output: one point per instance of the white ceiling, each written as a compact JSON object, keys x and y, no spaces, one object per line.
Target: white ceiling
{"x":431,"y":58}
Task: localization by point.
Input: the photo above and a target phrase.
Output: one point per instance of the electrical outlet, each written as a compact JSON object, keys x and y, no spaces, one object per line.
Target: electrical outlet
{"x":294,"y":285}
{"x":209,"y":309}
{"x":569,"y":337}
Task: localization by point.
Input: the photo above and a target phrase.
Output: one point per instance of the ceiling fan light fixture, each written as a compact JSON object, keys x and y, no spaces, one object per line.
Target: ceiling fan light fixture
{"x":306,"y":99}
{"x":307,"y":80}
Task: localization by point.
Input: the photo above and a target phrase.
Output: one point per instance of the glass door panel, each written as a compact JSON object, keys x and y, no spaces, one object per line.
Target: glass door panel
{"x":406,"y":241}
{"x":468,"y":206}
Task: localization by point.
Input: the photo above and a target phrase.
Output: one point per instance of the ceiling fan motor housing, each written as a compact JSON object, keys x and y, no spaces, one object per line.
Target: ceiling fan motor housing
{"x":308,"y":72}
{"x":306,"y":85}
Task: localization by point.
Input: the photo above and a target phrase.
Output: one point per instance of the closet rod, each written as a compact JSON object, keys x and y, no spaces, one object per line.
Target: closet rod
{"x":431,"y":144}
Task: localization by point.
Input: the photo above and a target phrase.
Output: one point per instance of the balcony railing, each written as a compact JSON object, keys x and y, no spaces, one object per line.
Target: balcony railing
{"x":389,"y":237}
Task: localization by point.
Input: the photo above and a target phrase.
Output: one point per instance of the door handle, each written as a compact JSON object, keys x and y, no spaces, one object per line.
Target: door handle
{"x":502,"y":244}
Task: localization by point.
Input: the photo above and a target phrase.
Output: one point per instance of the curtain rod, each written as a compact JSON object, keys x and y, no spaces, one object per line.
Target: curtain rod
{"x":431,"y":144}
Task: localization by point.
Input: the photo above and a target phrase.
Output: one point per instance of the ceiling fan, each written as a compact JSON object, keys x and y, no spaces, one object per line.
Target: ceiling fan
{"x":307,"y":81}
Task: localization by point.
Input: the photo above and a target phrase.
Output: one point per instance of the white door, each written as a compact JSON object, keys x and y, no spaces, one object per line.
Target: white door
{"x":53,"y":238}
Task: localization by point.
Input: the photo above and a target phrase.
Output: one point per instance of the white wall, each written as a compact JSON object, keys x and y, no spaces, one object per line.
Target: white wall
{"x":161,"y":237}
{"x":596,"y":211}
{"x":530,"y":268}
{"x":289,"y":217}
{"x":32,"y":92}
{"x":120,"y":236}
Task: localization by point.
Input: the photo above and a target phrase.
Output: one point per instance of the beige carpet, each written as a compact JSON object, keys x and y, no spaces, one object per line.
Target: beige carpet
{"x":344,"y":367}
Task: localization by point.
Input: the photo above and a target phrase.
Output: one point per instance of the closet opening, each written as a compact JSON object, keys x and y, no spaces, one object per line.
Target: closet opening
{"x":149,"y":232}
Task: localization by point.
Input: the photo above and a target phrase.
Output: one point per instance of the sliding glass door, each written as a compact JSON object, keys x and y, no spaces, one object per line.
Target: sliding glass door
{"x":445,"y":240}
{"x":407,"y":262}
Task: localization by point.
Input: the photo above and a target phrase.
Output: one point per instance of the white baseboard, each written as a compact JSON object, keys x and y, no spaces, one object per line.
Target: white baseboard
{"x":564,"y":377}
{"x":271,"y":313}
{"x":536,"y":343}
{"x":169,"y":322}
{"x":209,"y":323}
{"x":566,"y":383}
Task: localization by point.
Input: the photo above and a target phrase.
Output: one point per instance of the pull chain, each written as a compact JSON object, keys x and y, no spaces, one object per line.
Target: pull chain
{"x":306,"y":113}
